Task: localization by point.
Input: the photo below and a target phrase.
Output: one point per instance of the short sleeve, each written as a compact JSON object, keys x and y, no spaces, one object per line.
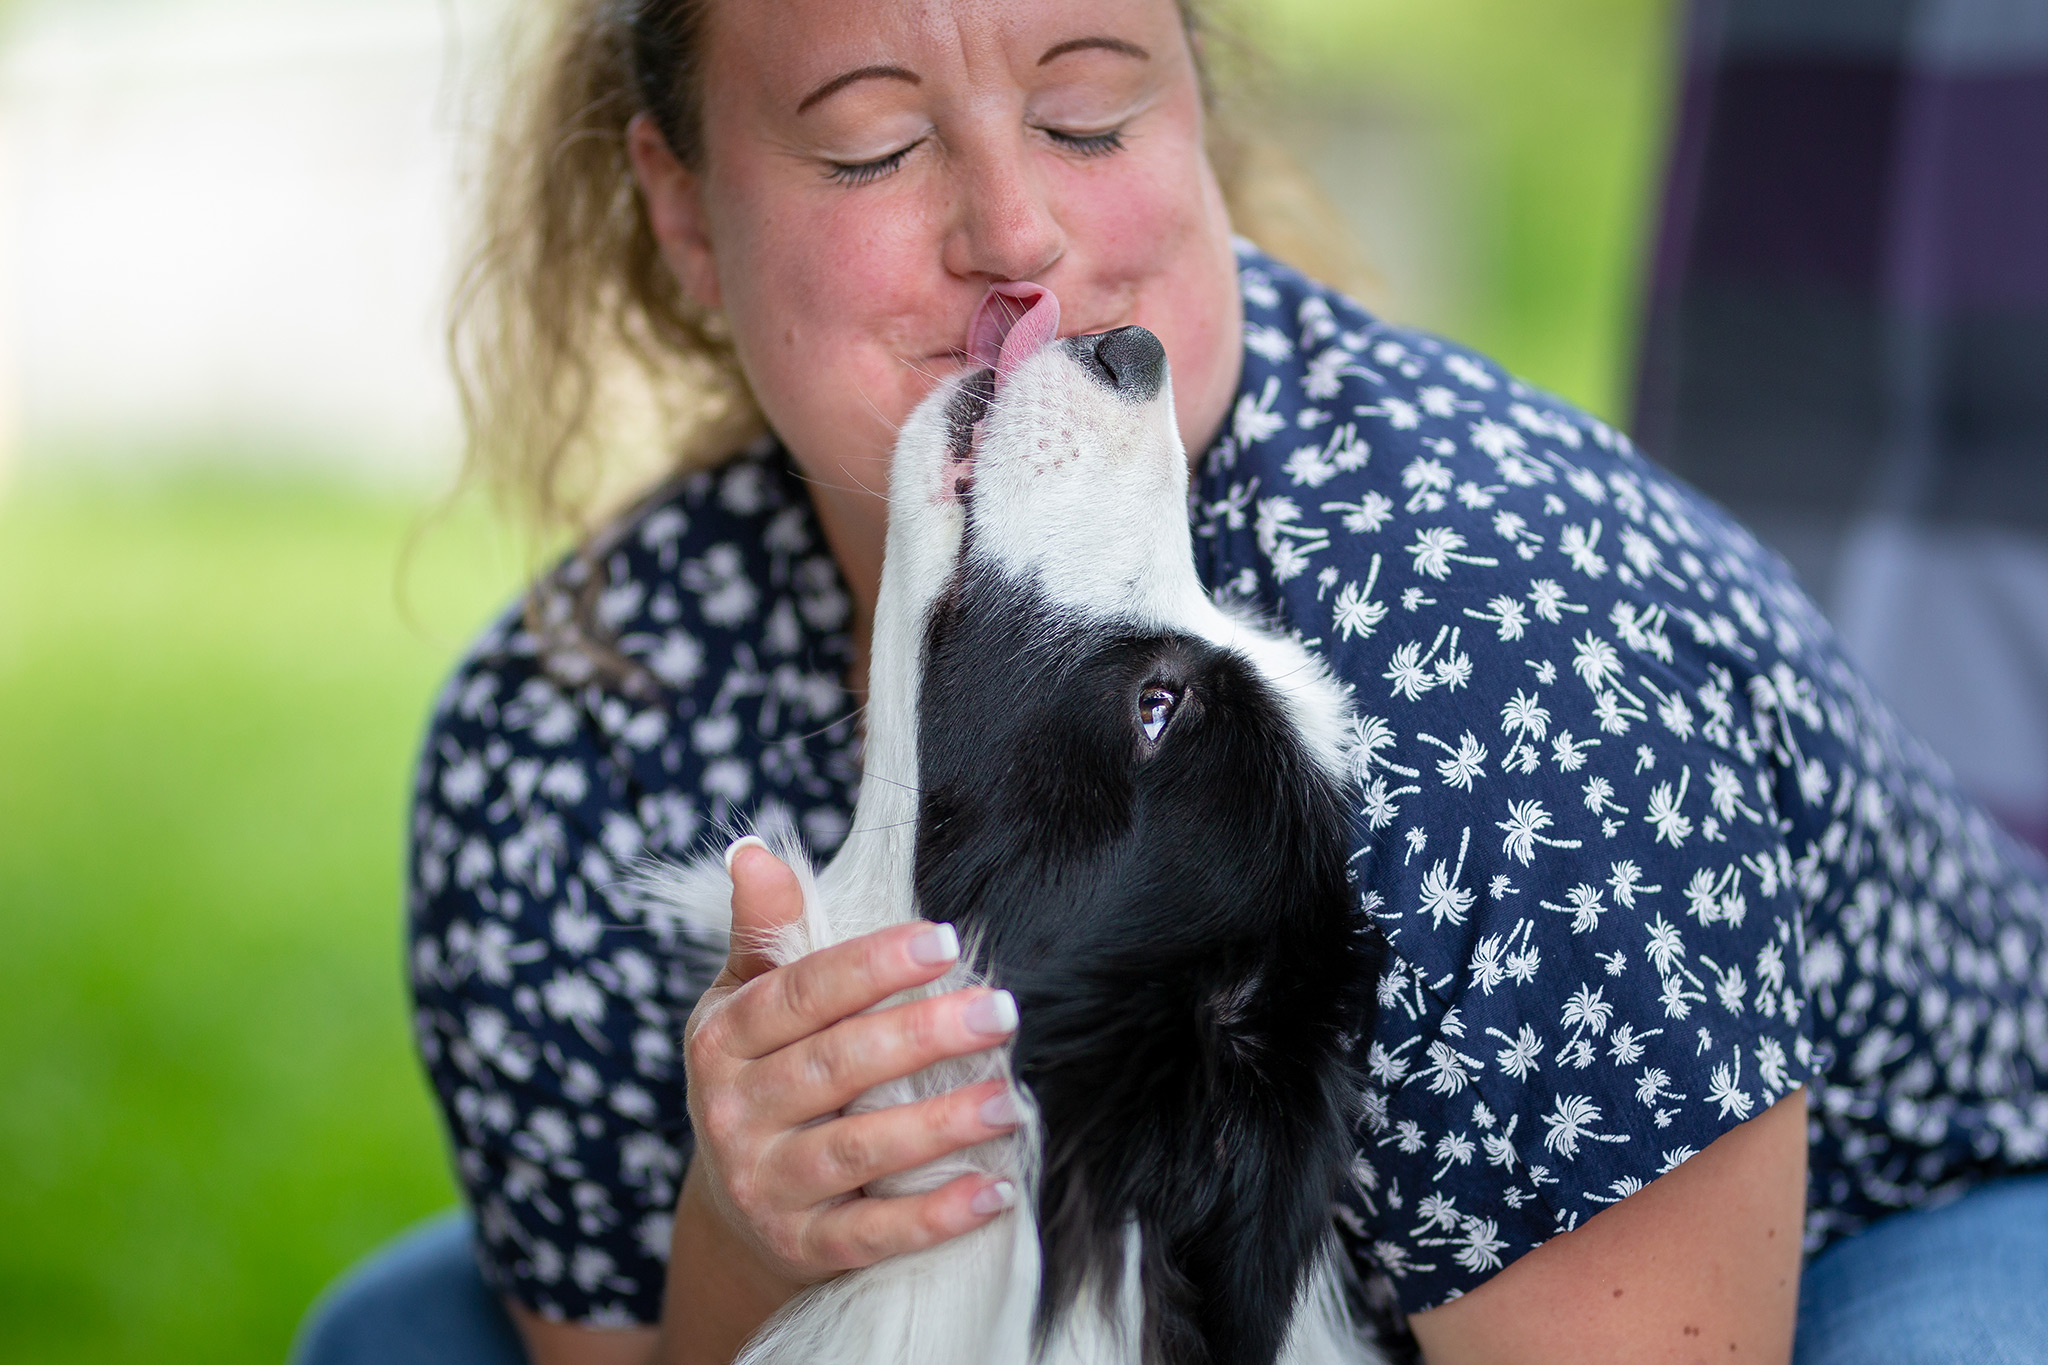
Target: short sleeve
{"x":1567,"y":820}
{"x":1583,"y":993}
{"x":548,"y":1019}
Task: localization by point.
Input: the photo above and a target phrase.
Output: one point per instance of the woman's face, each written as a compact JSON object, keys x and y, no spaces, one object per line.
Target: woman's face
{"x":871,"y":166}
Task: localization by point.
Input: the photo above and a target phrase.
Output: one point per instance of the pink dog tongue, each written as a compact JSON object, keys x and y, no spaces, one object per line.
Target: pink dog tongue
{"x":1015,"y":321}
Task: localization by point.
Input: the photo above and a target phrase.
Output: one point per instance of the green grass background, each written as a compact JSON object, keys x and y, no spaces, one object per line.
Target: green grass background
{"x":210,"y":697}
{"x":209,"y":700}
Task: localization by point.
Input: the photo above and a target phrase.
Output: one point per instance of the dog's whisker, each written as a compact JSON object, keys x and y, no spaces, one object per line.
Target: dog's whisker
{"x":816,"y":482}
{"x":876,"y":829}
{"x":895,"y":425}
{"x":905,"y":786}
{"x":918,"y":366}
{"x":856,"y":715}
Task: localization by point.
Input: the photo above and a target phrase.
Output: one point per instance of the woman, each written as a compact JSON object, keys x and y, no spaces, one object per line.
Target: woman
{"x":1692,"y":948}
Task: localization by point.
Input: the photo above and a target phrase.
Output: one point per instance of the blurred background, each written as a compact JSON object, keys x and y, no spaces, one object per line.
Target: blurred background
{"x":230,"y":578}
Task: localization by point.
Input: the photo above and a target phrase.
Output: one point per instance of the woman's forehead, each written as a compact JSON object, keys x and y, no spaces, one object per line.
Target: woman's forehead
{"x":798,"y":55}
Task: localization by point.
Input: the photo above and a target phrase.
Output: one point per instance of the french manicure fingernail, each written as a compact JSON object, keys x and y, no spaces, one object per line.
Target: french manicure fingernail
{"x":1001,"y":1111}
{"x":732,"y":850}
{"x":994,"y":1198}
{"x":935,"y":945}
{"x":994,"y":1014}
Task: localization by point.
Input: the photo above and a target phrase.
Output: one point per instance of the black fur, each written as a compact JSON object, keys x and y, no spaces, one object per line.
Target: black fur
{"x":1177,"y":924}
{"x":967,"y":407}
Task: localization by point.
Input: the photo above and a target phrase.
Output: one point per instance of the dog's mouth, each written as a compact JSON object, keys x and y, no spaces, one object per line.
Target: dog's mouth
{"x":1014,"y":321}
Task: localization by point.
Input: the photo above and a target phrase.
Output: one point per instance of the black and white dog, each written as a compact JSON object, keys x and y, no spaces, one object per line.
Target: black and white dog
{"x":1131,"y":802}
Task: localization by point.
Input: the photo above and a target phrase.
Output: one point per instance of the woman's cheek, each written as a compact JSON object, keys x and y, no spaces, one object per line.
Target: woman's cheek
{"x":1140,"y":222}
{"x":1134,"y":222}
{"x":819,"y":321}
{"x":1170,"y":249}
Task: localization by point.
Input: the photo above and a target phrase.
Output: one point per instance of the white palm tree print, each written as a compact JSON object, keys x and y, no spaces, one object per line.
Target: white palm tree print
{"x":1625,"y":879}
{"x":1506,"y":615}
{"x":1570,"y":1122}
{"x":1438,"y":547}
{"x":1586,"y":1010}
{"x":1548,"y":601}
{"x":1524,"y":716}
{"x":1442,"y":898}
{"x":1672,"y":824}
{"x":1580,"y":545}
{"x":1357,"y":612}
{"x":1595,"y":661}
{"x":1525,"y":825}
{"x":1465,"y":762}
{"x":1583,"y":904}
{"x":1522,"y":1053}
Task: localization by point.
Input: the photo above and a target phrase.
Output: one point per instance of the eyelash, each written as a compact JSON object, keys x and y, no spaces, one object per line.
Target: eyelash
{"x":867,"y":172}
{"x":863,"y":172}
{"x":1088,"y":144}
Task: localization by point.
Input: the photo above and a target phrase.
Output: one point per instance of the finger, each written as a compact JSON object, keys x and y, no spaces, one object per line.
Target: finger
{"x":821,"y":1074}
{"x":822,"y":988}
{"x":837,"y":1157}
{"x":862,"y":1231}
{"x":766,"y":896}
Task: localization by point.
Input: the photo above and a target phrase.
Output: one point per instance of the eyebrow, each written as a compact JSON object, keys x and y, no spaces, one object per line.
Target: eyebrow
{"x":865,"y":73}
{"x":1105,"y":43}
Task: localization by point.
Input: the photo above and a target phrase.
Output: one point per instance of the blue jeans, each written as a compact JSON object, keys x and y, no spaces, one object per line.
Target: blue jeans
{"x":419,"y":1300}
{"x":1966,"y":1284}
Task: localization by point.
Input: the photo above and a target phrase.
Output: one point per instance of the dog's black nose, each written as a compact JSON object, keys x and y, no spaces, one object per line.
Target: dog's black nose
{"x":1130,"y":360}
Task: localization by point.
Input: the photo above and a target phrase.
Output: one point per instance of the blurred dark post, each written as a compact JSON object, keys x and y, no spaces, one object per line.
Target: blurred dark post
{"x":1847,"y":342}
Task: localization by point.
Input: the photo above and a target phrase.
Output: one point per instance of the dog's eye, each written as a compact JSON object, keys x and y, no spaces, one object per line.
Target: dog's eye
{"x":1155,"y":708}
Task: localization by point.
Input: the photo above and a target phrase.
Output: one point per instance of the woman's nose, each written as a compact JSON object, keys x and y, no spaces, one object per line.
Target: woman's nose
{"x":1003,"y":225}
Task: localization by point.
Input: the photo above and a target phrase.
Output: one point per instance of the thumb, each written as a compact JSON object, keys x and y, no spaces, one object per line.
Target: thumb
{"x":766,"y":896}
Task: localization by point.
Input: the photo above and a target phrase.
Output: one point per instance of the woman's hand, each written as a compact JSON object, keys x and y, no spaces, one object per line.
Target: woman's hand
{"x":773,"y":1201}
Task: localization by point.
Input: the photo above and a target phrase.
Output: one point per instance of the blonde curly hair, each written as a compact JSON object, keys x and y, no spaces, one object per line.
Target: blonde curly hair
{"x":585,"y":375}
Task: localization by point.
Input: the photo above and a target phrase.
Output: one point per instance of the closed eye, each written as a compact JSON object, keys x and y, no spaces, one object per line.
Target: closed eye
{"x":1087,"y":144}
{"x":862,"y":172}
{"x":1156,"y":706}
{"x":866,"y":172}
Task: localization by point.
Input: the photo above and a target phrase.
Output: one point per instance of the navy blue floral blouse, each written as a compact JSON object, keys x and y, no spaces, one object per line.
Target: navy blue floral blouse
{"x":1649,"y":854}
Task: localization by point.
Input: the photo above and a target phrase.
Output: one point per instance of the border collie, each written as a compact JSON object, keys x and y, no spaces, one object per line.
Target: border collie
{"x":1131,"y":803}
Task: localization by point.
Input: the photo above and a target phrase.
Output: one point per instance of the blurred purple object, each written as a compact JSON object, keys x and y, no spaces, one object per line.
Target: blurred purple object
{"x":1847,"y":342}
